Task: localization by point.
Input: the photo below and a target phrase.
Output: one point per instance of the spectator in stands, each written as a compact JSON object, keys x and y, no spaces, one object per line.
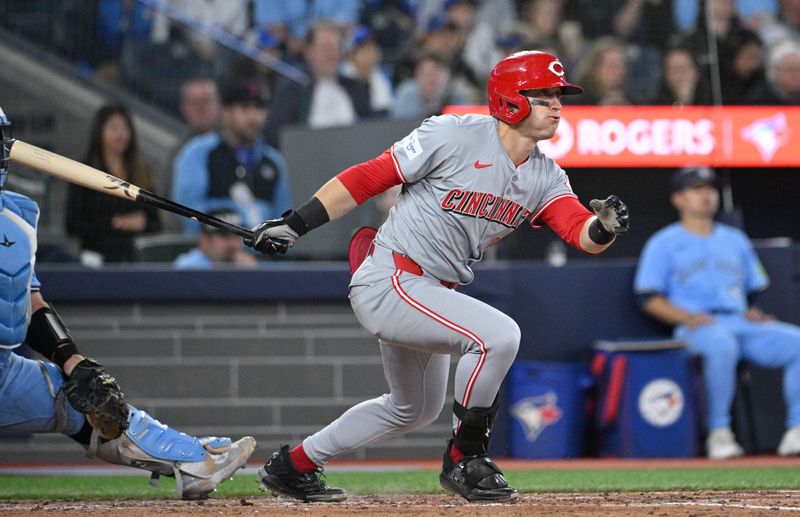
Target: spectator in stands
{"x":392,"y":23}
{"x":539,"y":20}
{"x":428,"y":92}
{"x":703,"y":277}
{"x":291,"y":20}
{"x":117,"y":22}
{"x":199,"y":105}
{"x":364,"y":64}
{"x":603,"y":73}
{"x":646,"y":28}
{"x":228,"y":15}
{"x":754,"y":13}
{"x":234,"y":168}
{"x":595,"y":18}
{"x":331,"y":100}
{"x":244,"y":67}
{"x":784,"y":26}
{"x":106,"y":225}
{"x":497,"y":13}
{"x":445,"y":38}
{"x":483,"y":44}
{"x":217,"y":247}
{"x":680,"y":81}
{"x":744,"y":79}
{"x":723,"y":24}
{"x":783,"y":76}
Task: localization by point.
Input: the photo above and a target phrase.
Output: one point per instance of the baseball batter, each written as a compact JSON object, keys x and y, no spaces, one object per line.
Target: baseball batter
{"x":466,"y":183}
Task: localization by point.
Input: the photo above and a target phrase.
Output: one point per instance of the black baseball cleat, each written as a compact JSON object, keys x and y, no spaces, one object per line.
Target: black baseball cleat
{"x":280,"y":477}
{"x":476,"y":479}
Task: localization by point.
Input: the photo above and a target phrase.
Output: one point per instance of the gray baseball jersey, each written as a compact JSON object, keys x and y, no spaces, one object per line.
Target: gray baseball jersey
{"x":461,"y":195}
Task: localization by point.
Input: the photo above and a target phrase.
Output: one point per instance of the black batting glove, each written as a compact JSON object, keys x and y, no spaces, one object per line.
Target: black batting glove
{"x":612,"y":214}
{"x":272,"y":236}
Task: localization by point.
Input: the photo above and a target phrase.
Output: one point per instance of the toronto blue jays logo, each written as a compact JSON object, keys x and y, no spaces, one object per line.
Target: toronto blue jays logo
{"x":536,"y":414}
{"x":768,"y":135}
{"x":661,"y":402}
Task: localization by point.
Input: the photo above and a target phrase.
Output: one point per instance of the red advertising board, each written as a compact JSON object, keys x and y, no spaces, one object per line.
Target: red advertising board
{"x":665,"y":136}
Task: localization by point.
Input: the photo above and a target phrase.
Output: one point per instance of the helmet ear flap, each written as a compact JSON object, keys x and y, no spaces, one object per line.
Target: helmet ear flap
{"x":515,"y":109}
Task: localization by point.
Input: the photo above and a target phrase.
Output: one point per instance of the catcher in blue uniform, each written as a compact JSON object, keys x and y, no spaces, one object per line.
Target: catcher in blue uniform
{"x":73,"y":395}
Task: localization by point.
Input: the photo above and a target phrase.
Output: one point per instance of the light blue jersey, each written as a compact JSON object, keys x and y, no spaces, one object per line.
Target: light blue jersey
{"x":194,"y":259}
{"x":701,"y":273}
{"x":27,"y":388}
{"x":713,"y":274}
{"x":18,"y":219}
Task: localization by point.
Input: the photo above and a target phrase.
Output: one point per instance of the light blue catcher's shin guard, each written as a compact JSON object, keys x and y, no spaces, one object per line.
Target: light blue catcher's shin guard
{"x":199,"y":465}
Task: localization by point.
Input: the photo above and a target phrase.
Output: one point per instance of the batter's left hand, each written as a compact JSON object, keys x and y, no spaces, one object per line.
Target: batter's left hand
{"x":612,"y":214}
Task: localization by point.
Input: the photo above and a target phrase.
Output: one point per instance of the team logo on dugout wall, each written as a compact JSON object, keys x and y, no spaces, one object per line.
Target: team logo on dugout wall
{"x":536,"y":414}
{"x":661,"y":402}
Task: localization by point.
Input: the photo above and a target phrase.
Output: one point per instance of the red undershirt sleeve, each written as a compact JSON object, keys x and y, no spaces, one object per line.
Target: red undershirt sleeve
{"x":370,"y":178}
{"x":566,"y":216}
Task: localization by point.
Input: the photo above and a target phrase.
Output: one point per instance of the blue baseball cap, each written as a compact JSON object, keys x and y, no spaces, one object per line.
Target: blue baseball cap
{"x":690,"y":177}
{"x":266,"y":39}
{"x":359,"y":36}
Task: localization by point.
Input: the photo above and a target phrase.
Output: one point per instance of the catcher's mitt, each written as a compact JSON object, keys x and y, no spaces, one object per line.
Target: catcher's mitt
{"x":95,"y":393}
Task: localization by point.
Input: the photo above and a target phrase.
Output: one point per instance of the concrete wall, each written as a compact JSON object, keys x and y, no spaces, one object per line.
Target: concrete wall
{"x":275,"y":371}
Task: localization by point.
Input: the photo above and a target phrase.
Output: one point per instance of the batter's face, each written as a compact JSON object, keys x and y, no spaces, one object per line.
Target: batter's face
{"x":701,"y":202}
{"x":542,"y":122}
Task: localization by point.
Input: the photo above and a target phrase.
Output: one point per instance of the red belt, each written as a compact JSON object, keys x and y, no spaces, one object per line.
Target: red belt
{"x":404,"y":263}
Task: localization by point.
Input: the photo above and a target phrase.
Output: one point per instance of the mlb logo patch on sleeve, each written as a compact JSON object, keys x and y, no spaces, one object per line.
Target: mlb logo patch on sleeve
{"x":411,"y":145}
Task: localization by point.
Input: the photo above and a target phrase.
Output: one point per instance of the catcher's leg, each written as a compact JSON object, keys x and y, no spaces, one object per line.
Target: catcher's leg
{"x":31,"y":398}
{"x":199,"y":465}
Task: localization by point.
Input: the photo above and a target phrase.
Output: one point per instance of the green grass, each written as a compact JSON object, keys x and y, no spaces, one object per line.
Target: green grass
{"x":244,"y":485}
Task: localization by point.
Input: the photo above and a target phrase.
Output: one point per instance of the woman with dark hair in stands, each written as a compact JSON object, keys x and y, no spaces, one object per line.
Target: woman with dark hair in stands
{"x":104,"y":224}
{"x":681,"y":84}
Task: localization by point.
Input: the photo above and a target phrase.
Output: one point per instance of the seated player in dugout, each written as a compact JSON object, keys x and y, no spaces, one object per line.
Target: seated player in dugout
{"x":703,"y":278}
{"x":73,"y":395}
{"x":467,"y":181}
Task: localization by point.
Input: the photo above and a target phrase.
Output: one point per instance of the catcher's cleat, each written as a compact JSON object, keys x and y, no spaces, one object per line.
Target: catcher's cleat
{"x":281,"y":478}
{"x":226,"y":461}
{"x":476,"y":479}
{"x":198,"y":465}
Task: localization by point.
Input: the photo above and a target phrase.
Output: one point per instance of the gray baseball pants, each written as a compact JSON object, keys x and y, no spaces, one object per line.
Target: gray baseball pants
{"x":419,"y":323}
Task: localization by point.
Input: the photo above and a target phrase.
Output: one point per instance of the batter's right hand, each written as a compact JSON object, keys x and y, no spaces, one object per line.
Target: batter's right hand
{"x":272,"y":236}
{"x":612,"y":213}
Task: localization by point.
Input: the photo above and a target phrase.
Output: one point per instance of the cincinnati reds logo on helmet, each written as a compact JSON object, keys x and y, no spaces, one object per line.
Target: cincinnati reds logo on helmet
{"x":557,"y":68}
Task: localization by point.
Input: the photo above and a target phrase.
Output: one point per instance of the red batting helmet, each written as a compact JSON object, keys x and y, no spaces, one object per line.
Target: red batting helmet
{"x":528,"y":70}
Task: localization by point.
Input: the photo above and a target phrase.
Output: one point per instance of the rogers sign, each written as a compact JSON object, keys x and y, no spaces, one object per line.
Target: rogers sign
{"x":663,"y":136}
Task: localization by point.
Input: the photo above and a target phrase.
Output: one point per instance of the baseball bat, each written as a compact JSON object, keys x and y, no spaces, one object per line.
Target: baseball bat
{"x":80,"y":174}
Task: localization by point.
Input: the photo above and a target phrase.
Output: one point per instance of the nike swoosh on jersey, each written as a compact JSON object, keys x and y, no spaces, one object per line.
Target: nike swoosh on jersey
{"x":479,"y":165}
